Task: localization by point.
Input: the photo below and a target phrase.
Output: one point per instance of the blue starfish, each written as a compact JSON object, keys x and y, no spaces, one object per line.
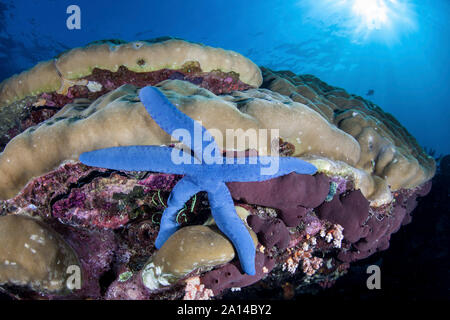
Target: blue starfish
{"x":199,"y":173}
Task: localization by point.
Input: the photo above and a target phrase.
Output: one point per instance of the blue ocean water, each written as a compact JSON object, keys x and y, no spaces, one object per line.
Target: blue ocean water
{"x":393,"y":52}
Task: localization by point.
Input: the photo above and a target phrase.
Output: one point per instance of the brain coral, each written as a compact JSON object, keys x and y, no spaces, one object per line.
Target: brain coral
{"x":370,"y":169}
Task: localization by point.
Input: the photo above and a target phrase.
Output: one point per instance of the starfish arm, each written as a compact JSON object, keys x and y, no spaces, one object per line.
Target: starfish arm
{"x":169,"y":118}
{"x":226,"y":218}
{"x":265,"y":168}
{"x":181,"y":193}
{"x":134,"y":158}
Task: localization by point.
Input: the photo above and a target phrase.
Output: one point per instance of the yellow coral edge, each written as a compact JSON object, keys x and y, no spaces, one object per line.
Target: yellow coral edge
{"x":372,"y":187}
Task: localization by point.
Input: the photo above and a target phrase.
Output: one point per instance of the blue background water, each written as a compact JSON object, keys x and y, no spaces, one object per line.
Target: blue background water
{"x":405,"y":61}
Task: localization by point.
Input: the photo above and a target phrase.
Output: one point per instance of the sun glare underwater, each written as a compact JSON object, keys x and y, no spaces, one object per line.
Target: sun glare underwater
{"x":213,"y":150}
{"x":364,"y":20}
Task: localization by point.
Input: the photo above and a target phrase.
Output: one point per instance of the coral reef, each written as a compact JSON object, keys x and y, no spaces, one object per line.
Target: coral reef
{"x":300,"y":193}
{"x":142,"y":56}
{"x":85,"y":127}
{"x":350,"y":211}
{"x":386,"y":149}
{"x":207,"y":175}
{"x":305,"y":231}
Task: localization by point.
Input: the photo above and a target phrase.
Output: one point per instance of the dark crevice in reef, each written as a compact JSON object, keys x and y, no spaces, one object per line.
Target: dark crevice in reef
{"x":83,"y":181}
{"x":11,"y":292}
{"x":106,"y":279}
